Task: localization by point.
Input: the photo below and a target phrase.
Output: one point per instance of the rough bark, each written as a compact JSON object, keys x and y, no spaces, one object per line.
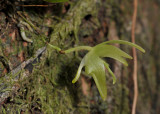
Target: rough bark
{"x":38,"y":79}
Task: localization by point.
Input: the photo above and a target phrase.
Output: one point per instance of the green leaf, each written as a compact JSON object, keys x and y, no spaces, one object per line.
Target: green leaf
{"x":110,"y":71}
{"x":101,"y":84}
{"x":112,"y":52}
{"x":56,"y":1}
{"x":94,"y":66}
{"x":109,"y":50}
{"x":124,"y":42}
{"x":79,"y":71}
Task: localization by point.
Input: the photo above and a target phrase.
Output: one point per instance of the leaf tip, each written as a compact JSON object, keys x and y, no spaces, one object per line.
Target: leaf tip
{"x":143,"y":51}
{"x":114,"y":81}
{"x":104,"y":98}
{"x":73,"y":81}
{"x":125,"y":64}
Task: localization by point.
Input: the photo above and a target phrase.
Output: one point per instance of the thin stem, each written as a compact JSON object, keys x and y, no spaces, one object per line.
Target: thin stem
{"x":71,"y":49}
{"x":134,"y":58}
{"x":78,"y":49}
{"x":54,"y":47}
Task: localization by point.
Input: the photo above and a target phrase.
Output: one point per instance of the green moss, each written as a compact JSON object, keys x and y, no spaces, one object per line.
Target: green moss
{"x":48,"y":89}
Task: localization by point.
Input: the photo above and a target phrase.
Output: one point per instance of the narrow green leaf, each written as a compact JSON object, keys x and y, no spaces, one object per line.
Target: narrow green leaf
{"x":124,"y":42}
{"x":56,"y":1}
{"x":110,"y":71}
{"x":101,"y":85}
{"x":88,"y":48}
{"x":112,"y":52}
{"x":79,"y":71}
{"x":94,"y":66}
{"x":109,"y":50}
{"x":120,"y":59}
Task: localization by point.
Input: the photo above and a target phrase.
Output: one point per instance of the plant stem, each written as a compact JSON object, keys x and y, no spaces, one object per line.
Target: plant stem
{"x":134,"y":58}
{"x":71,"y":49}
{"x":78,"y":49}
{"x":55,"y":47}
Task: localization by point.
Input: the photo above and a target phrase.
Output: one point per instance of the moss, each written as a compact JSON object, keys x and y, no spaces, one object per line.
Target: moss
{"x":48,"y":89}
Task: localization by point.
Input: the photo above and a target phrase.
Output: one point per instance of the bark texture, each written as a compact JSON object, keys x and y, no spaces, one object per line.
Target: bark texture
{"x":37,"y":79}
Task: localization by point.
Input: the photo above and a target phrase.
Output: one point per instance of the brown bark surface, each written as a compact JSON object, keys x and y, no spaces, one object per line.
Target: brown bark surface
{"x":37,"y":79}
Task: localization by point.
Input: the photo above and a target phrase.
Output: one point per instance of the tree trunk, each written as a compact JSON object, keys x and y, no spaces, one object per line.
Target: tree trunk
{"x":35,"y":78}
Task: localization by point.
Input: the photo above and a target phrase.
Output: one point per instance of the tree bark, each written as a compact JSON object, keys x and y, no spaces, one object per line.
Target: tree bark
{"x":35,"y":78}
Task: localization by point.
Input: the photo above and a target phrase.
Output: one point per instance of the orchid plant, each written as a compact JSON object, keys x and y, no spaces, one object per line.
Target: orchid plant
{"x":93,"y":61}
{"x":95,"y":65}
